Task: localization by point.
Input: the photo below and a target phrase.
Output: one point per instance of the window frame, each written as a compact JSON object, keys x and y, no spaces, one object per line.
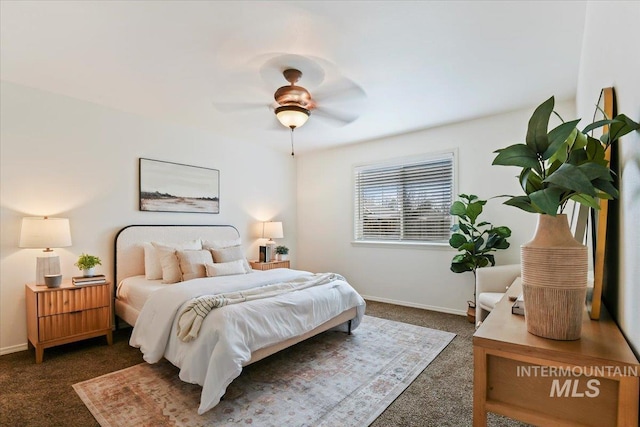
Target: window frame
{"x":403,"y":161}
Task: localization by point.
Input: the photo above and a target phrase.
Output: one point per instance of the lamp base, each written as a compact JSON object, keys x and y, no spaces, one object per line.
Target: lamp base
{"x":47,"y":265}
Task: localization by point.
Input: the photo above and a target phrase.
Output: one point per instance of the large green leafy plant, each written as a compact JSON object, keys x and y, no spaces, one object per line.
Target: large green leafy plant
{"x":475,"y":240}
{"x":563,"y":164}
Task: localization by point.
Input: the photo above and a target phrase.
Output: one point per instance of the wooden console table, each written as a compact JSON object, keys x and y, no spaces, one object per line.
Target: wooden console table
{"x":539,"y":381}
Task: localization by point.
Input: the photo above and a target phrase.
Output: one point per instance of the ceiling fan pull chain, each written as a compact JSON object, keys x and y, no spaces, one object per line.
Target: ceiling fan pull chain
{"x":292,"y":128}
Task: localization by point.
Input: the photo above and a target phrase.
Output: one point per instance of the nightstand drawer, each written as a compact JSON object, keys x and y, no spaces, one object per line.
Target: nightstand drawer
{"x":71,"y":300}
{"x":69,"y":324}
{"x":269,"y":265}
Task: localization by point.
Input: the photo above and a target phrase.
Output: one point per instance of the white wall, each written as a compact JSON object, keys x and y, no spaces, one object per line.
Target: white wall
{"x":610,"y":58}
{"x":409,"y":275}
{"x":68,"y":158}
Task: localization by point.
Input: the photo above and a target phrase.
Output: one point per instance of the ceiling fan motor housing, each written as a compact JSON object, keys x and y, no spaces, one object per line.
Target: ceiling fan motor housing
{"x":293,"y":95}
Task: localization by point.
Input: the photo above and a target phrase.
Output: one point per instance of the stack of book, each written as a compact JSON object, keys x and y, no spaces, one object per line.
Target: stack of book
{"x":90,"y":280}
{"x":518,"y":306}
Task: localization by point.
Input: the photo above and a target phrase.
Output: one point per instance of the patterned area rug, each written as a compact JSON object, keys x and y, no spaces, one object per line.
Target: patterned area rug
{"x":332,"y":379}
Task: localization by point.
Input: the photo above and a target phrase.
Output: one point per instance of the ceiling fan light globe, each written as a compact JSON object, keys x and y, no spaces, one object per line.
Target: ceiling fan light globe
{"x":292,"y":116}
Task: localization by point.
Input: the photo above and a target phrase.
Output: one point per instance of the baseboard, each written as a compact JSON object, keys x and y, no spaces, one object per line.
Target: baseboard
{"x":13,"y":349}
{"x":410,"y":304}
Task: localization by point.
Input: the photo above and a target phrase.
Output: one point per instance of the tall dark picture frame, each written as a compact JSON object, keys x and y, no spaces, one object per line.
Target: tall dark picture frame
{"x":175,"y":187}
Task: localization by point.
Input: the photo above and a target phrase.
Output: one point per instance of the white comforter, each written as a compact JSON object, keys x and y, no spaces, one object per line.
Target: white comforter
{"x":230,"y":334}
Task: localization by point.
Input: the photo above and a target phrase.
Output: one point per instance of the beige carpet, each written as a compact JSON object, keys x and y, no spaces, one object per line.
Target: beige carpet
{"x":330,"y":380}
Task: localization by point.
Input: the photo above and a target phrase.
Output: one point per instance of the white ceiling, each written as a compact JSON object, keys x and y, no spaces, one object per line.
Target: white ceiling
{"x":421,"y":63}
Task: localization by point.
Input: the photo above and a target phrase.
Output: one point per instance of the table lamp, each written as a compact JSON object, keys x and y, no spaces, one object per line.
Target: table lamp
{"x":45,"y":233}
{"x":271,"y":230}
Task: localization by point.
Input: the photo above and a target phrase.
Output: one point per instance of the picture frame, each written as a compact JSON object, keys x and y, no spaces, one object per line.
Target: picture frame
{"x":175,"y":187}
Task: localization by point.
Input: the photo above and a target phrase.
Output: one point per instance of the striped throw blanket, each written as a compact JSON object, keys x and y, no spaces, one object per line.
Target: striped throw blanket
{"x":194,"y":313}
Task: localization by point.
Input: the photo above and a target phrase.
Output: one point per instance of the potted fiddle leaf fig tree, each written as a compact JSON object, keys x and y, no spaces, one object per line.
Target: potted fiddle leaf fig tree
{"x":474,"y":240}
{"x":557,"y":166}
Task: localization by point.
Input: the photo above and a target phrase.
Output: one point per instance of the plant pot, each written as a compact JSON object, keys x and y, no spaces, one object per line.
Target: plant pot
{"x":88,"y":272}
{"x":554,"y":280}
{"x":471,"y":312}
{"x":284,"y":257}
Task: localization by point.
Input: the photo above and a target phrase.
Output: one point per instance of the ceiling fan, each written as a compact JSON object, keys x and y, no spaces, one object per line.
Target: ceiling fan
{"x":294,"y":104}
{"x":336,"y":100}
{"x":332,"y":101}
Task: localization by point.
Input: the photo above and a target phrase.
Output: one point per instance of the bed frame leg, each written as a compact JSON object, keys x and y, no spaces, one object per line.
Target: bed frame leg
{"x":349,"y":328}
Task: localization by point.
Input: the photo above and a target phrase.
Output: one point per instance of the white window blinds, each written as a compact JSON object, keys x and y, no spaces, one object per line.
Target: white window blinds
{"x":406,"y":201}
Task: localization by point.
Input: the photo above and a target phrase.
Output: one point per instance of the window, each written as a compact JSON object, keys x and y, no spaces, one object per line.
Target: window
{"x":405,"y":201}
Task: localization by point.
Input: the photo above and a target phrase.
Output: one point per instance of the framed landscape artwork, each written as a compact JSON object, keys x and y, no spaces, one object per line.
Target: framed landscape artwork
{"x":174,"y":187}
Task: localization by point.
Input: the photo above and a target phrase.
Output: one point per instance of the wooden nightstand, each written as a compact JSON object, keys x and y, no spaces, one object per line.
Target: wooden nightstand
{"x":66,"y":314}
{"x":256,"y":265}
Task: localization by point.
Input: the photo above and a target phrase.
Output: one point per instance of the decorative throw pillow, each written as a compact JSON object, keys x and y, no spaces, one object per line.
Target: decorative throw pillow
{"x":225,"y":268}
{"x":170,"y":267}
{"x":232,"y":253}
{"x":152,"y":266}
{"x":192,"y":263}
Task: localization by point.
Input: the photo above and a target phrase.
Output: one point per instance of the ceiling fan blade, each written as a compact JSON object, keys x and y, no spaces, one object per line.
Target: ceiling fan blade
{"x":272,"y":68}
{"x":337,"y":118}
{"x":235,"y":107}
{"x":341,"y":90}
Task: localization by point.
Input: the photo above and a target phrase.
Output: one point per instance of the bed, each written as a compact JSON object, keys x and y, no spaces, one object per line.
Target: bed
{"x":232,"y":336}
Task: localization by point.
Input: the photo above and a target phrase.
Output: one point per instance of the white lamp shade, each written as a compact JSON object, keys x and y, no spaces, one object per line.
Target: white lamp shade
{"x":45,"y":233}
{"x":292,"y":116}
{"x":272,"y":230}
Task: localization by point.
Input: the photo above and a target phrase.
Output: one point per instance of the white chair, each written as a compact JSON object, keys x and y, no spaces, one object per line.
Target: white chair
{"x":491,"y":285}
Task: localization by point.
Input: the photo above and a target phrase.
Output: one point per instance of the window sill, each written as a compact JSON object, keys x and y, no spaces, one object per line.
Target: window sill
{"x":403,"y":245}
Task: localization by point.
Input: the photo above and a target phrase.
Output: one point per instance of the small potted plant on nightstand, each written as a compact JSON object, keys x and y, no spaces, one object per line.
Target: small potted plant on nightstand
{"x":87,"y":263}
{"x":282,"y":253}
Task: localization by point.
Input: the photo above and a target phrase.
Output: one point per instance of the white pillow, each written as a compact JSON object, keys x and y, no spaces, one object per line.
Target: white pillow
{"x":232,"y":253}
{"x":219,"y":244}
{"x":225,"y":268}
{"x":192,"y":263}
{"x":152,"y":266}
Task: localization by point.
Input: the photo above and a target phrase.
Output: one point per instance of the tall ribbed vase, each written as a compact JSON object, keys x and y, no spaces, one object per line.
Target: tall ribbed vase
{"x":554,"y":280}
